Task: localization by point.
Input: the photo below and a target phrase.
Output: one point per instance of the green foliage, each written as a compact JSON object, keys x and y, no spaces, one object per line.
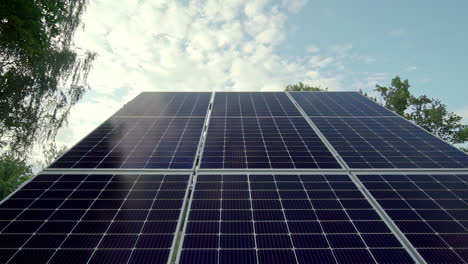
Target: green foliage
{"x":367,"y":95}
{"x":13,"y":172}
{"x":430,"y":114}
{"x":396,"y":97}
{"x":42,"y":74}
{"x":304,"y":87}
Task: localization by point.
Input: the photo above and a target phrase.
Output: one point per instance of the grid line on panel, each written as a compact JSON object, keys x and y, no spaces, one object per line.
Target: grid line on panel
{"x":269,"y":104}
{"x":338,"y":104}
{"x":284,"y":217}
{"x":252,"y":214}
{"x":160,"y":143}
{"x":166,"y":104}
{"x":41,"y":225}
{"x":220,"y":203}
{"x":290,"y":143}
{"x":394,"y":229}
{"x":319,"y":222}
{"x":388,"y":143}
{"x":81,"y":206}
{"x":430,"y":209}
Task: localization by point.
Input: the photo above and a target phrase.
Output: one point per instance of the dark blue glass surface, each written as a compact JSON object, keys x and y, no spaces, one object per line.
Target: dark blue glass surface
{"x":132,"y":222}
{"x":167,"y":104}
{"x":430,"y":209}
{"x":137,"y":143}
{"x":277,"y":221}
{"x":270,"y":143}
{"x":232,"y":104}
{"x":339,"y":104}
{"x":387,"y":143}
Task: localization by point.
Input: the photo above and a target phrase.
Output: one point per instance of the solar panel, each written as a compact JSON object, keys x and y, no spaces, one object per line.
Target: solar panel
{"x":167,"y":104}
{"x":339,"y":104}
{"x":430,"y":209}
{"x":280,"y":143}
{"x":388,"y":143}
{"x":137,"y":143}
{"x":253,"y":104}
{"x":98,"y":218}
{"x":285,"y":219}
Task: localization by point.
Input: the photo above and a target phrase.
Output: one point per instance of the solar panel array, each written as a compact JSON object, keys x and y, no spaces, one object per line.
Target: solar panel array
{"x":430,"y":209}
{"x":285,"y":219}
{"x":245,"y":178}
{"x":388,"y":143}
{"x":339,"y":104}
{"x":254,"y":143}
{"x":253,"y":104}
{"x":157,"y":143}
{"x":167,"y":104}
{"x":92,"y":218}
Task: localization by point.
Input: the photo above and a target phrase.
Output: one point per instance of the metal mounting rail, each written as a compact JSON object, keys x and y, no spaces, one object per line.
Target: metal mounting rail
{"x":390,"y":224}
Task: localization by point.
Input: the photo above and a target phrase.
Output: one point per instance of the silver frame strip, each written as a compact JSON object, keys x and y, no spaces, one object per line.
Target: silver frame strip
{"x":180,"y":221}
{"x":185,"y":220}
{"x":204,"y":134}
{"x":386,"y":219}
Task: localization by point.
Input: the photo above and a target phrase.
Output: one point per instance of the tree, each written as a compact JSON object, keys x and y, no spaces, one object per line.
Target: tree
{"x":51,"y":153}
{"x":42,"y":74}
{"x":430,"y":114}
{"x":304,"y":87}
{"x":396,"y":97}
{"x":13,"y":172}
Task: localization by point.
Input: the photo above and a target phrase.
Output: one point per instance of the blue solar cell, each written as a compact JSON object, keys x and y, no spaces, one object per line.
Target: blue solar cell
{"x":253,"y":104}
{"x":388,"y":143}
{"x":69,"y":221}
{"x":199,"y":256}
{"x":156,"y":143}
{"x":273,"y":143}
{"x":277,"y":220}
{"x":276,"y":256}
{"x":167,"y":104}
{"x":418,"y":207}
{"x":71,"y":256}
{"x":339,"y":104}
{"x":305,"y":256}
{"x":237,"y":256}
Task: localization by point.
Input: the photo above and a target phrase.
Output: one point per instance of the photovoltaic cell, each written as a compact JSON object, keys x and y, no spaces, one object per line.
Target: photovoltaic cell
{"x":167,"y":104}
{"x":285,"y":219}
{"x":339,"y":104}
{"x":388,"y":143}
{"x":70,"y":218}
{"x":254,"y":143}
{"x":137,"y":143}
{"x":253,"y":104}
{"x":430,"y":209}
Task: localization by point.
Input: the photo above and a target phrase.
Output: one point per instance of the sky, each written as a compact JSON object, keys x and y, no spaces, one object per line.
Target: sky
{"x":263,"y":45}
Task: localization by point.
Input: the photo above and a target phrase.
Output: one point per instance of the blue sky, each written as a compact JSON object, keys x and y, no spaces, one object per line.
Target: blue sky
{"x":424,"y":41}
{"x":263,"y":45}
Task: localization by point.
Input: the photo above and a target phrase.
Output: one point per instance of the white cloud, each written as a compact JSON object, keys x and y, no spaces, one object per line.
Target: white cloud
{"x":342,"y":50}
{"x":294,"y":5}
{"x":167,"y":45}
{"x":318,"y":61}
{"x":370,"y":79}
{"x":411,"y":68}
{"x":313,"y":49}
